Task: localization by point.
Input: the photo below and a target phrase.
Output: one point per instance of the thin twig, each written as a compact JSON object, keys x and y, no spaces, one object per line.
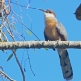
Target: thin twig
{"x":20,"y":16}
{"x":4,"y":74}
{"x":19,"y":65}
{"x":21,"y":5}
{"x":30,"y":63}
{"x":27,"y":28}
{"x":9,"y":33}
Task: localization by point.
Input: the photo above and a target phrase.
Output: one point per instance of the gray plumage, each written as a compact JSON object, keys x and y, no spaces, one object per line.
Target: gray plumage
{"x":61,"y":30}
{"x":63,"y":54}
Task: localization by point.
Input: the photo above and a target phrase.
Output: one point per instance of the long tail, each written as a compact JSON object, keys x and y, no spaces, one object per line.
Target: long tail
{"x":65,"y":64}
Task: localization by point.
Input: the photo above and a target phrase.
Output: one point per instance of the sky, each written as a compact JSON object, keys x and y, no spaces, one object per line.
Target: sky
{"x":45,"y":63}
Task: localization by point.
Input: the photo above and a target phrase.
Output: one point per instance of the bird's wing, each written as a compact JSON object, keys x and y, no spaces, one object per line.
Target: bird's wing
{"x":61,"y":31}
{"x":46,"y":38}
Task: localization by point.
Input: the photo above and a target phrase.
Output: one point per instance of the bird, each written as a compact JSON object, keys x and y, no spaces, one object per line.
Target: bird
{"x":55,"y":31}
{"x":78,"y":13}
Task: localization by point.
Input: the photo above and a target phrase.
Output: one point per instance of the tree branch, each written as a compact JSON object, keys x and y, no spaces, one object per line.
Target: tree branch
{"x":40,"y":44}
{"x":5,"y":75}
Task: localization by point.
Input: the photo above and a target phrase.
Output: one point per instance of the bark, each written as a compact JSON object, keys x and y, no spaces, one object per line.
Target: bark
{"x":40,"y":44}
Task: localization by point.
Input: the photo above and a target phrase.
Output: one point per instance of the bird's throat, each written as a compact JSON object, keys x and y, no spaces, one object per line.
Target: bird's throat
{"x":50,"y":22}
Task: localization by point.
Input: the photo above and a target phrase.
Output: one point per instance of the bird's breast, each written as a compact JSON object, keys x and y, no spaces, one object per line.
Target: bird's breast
{"x":50,"y":29}
{"x":51,"y":33}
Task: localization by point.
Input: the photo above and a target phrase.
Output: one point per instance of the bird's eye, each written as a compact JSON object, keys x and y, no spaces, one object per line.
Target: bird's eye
{"x":50,"y":12}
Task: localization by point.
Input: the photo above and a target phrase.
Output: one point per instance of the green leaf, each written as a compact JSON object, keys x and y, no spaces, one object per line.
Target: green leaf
{"x":46,"y":48}
{"x":9,"y":57}
{"x":14,"y":27}
{"x":29,"y":32}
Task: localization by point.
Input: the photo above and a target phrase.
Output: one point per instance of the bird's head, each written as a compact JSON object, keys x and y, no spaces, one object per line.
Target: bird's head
{"x":48,"y":13}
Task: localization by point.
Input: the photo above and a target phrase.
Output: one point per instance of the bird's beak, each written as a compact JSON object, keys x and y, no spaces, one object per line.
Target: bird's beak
{"x":42,"y":10}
